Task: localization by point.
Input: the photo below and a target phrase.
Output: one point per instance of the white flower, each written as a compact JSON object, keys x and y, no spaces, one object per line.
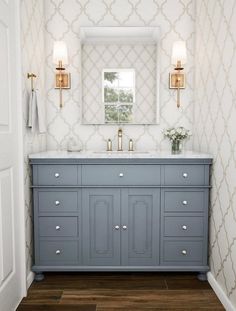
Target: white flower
{"x":172,"y":132}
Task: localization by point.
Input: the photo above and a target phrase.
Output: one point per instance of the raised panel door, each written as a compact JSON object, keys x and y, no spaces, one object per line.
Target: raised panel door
{"x":140,"y":214}
{"x":101,"y":227}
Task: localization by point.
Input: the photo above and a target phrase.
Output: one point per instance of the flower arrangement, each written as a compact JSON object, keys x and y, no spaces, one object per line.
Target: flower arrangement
{"x":176,"y":135}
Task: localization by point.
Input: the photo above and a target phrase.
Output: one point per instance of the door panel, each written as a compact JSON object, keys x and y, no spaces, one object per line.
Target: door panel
{"x":101,"y":213}
{"x":140,"y":214}
{"x":6,"y":228}
{"x":12,"y":252}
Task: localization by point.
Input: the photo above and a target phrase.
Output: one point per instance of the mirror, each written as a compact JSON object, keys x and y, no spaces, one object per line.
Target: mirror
{"x":119,"y":75}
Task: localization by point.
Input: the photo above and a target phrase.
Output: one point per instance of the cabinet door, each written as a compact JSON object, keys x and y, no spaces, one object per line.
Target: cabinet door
{"x":101,"y":227}
{"x":140,"y":215}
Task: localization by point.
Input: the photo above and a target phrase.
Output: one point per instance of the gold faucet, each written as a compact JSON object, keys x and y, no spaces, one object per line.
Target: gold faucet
{"x":120,"y":133}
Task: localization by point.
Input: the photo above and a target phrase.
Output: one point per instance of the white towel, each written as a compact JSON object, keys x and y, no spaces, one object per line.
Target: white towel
{"x":36,"y":115}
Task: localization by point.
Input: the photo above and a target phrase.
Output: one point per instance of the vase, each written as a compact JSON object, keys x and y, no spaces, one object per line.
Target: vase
{"x":176,"y":146}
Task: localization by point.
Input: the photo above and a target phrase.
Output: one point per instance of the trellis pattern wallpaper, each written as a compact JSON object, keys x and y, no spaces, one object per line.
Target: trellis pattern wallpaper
{"x":32,"y":44}
{"x":140,"y":57}
{"x":63,"y":19}
{"x":215,"y":130}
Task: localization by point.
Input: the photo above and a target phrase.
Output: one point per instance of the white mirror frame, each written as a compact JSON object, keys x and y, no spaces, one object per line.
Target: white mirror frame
{"x":122,"y":35}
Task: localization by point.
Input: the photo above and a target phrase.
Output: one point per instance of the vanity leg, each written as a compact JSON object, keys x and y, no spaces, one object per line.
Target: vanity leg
{"x":202,"y":276}
{"x":39,"y":276}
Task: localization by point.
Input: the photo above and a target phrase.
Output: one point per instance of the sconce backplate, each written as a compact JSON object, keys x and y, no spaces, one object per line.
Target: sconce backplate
{"x":177,"y":80}
{"x":65,"y":80}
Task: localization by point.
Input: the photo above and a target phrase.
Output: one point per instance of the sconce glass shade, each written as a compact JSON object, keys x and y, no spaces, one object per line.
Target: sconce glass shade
{"x":60,"y":53}
{"x":179,"y":52}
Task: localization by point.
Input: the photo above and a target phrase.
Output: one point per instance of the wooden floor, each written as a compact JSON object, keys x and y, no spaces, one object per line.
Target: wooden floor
{"x":120,"y":291}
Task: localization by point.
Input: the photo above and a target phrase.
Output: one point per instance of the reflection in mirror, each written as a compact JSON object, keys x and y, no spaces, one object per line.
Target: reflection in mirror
{"x":120,"y":75}
{"x":118,"y":89}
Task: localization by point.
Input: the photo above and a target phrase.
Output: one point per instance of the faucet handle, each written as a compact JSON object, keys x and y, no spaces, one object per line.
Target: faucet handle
{"x":131,"y":145}
{"x":109,"y":145}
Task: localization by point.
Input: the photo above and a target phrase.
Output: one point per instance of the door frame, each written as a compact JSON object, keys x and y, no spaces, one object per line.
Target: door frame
{"x":20,"y":124}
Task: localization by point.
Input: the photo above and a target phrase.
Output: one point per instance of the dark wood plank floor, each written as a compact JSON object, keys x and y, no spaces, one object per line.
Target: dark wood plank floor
{"x":120,"y":292}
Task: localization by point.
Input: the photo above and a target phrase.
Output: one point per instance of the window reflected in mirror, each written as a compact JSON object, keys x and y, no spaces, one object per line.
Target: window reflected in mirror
{"x":118,"y":93}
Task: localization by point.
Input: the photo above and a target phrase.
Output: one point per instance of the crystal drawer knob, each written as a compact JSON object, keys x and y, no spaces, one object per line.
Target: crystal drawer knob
{"x":58,"y":252}
{"x":58,"y":227}
{"x":117,"y":227}
{"x":121,"y":175}
{"x":184,"y":227}
{"x":124,"y":227}
{"x":57,"y":175}
{"x":184,"y":252}
{"x":185,"y":175}
{"x":57,"y":202}
{"x":185,"y":202}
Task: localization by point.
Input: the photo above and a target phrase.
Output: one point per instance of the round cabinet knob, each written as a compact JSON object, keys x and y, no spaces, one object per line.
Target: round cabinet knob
{"x":117,"y":227}
{"x":185,"y":175}
{"x":184,"y":227}
{"x":185,"y":202}
{"x":58,"y":227}
{"x":124,"y":227}
{"x":58,"y":252}
{"x":184,"y":252}
{"x":121,"y":175}
{"x":57,"y":202}
{"x":57,"y":175}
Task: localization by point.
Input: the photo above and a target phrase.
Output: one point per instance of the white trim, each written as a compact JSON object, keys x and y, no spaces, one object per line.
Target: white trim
{"x":220,"y":293}
{"x":21,"y":203}
{"x":30,"y":278}
{"x":109,"y":35}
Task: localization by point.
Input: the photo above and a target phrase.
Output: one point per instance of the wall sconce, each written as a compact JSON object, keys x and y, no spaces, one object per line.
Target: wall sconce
{"x":60,"y":58}
{"x":178,"y":59}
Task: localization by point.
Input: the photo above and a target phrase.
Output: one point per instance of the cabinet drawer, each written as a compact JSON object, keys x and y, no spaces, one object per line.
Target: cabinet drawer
{"x":58,"y":226}
{"x":56,"y":175}
{"x":121,"y":175}
{"x":184,"y":201}
{"x":183,"y":226}
{"x":183,"y":251}
{"x":57,"y":201}
{"x":184,"y":175}
{"x":58,"y":251}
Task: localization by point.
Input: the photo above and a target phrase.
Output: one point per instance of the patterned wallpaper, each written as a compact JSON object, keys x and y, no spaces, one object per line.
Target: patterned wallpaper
{"x":63,"y":20}
{"x":215,"y":131}
{"x":32,"y":43}
{"x":140,"y":57}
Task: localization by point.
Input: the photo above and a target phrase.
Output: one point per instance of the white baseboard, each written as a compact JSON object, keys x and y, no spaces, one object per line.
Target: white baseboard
{"x":220,"y":293}
{"x":30,"y":279}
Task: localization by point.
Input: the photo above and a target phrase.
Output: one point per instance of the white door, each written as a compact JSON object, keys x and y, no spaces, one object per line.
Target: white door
{"x":12,"y":271}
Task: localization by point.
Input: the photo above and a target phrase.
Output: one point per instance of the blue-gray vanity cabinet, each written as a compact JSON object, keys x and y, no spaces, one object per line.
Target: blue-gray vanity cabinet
{"x":121,"y":214}
{"x":140,"y":224}
{"x":101,"y":227}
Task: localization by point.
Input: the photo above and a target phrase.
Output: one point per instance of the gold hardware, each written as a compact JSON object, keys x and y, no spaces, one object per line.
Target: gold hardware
{"x":178,"y":59}
{"x":177,"y":81}
{"x":109,"y":145}
{"x":62,"y":80}
{"x":120,"y":133}
{"x":31,"y":76}
{"x":131,"y":145}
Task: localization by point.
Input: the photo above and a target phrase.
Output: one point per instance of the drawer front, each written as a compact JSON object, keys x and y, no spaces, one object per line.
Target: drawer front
{"x":183,"y":226}
{"x":57,"y":175}
{"x":121,"y":175}
{"x":58,"y":226}
{"x":183,"y":251}
{"x":58,"y":251}
{"x":184,"y":201}
{"x":57,"y":201}
{"x":184,"y":175}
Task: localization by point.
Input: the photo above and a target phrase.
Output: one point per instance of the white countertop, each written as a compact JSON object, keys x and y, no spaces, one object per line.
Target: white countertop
{"x":118,"y":155}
